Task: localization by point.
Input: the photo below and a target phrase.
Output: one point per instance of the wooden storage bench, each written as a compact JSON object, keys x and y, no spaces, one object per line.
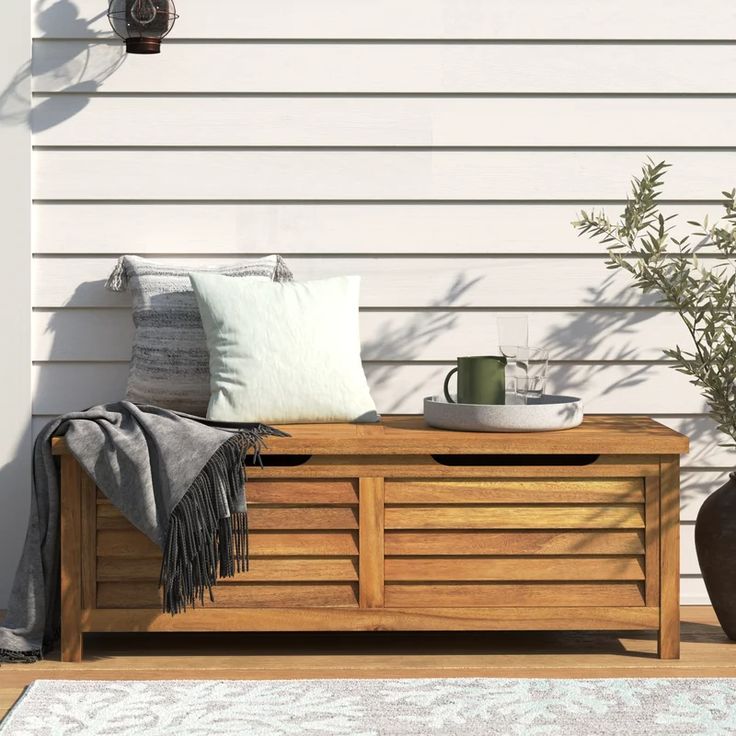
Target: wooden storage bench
{"x":399,"y":526}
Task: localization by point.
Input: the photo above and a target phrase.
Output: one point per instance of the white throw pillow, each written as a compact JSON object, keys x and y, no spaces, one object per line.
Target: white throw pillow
{"x":284,"y":352}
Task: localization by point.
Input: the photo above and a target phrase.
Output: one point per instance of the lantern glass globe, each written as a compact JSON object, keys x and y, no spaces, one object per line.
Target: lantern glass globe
{"x":142,"y":23}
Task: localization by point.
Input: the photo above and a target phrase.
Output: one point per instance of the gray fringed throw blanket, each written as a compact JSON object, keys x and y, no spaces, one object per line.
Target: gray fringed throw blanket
{"x":176,"y":478}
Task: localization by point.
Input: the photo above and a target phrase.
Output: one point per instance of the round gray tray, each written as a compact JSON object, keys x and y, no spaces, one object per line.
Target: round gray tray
{"x":539,"y":415}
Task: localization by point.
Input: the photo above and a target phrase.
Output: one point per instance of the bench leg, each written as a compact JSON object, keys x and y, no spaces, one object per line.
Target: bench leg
{"x":71,"y":560}
{"x":668,"y":642}
{"x":669,"y":555}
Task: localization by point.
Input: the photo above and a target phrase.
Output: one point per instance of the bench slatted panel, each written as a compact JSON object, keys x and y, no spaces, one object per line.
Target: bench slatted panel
{"x":305,"y":492}
{"x":414,"y":569}
{"x":517,"y":594}
{"x":235,"y":595}
{"x":515,"y":517}
{"x":115,"y":543}
{"x":260,"y":569}
{"x":302,"y":492}
{"x":266,"y":518}
{"x":573,"y":490}
{"x":514,"y":543}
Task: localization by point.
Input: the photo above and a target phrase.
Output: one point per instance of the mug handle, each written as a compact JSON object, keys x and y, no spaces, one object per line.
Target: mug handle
{"x":447,"y":385}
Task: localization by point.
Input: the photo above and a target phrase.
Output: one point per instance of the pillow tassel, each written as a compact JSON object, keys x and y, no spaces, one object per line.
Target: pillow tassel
{"x":118,"y":279}
{"x":281,"y":272}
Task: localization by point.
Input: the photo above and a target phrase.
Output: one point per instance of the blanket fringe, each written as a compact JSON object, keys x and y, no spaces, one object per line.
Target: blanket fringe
{"x":207,"y":535}
{"x":8,"y":656}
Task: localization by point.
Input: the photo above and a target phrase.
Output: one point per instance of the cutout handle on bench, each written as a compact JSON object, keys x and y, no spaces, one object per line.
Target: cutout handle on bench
{"x":523,"y":460}
{"x":278,"y":461}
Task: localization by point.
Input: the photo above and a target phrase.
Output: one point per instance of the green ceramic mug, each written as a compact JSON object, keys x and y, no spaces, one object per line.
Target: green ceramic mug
{"x":481,"y":379}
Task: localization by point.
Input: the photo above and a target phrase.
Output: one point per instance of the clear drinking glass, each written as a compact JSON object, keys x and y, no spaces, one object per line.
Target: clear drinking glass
{"x":527,"y":387}
{"x":513,"y":333}
{"x":529,"y":372}
{"x":531,"y":361}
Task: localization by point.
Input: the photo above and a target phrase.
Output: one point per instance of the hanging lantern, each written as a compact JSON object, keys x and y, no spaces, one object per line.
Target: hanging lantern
{"x":142,"y":23}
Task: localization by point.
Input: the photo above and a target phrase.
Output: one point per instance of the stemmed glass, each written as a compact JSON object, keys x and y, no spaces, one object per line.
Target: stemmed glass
{"x":513,"y":333}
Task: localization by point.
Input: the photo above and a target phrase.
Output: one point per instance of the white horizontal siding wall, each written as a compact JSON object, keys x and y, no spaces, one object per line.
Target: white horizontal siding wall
{"x":15,"y":295}
{"x":439,"y":148}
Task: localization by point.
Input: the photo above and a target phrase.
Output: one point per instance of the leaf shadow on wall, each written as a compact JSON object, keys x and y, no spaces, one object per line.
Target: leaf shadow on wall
{"x":611,"y":335}
{"x":400,"y":343}
{"x":80,"y":68}
{"x":598,"y":335}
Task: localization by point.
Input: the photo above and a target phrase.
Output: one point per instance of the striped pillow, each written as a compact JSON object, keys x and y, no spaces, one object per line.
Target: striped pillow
{"x":169,"y":366}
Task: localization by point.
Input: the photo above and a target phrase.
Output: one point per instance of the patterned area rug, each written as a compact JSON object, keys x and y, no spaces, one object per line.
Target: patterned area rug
{"x":375,"y":707}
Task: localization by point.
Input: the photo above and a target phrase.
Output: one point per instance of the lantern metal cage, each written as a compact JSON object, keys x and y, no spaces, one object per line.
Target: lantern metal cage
{"x":142,"y":23}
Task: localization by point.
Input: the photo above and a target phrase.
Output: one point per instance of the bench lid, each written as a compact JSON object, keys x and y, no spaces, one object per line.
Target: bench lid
{"x":409,"y":435}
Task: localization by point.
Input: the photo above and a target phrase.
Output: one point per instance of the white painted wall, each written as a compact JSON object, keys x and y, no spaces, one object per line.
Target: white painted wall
{"x":15,"y":292}
{"x":439,"y":148}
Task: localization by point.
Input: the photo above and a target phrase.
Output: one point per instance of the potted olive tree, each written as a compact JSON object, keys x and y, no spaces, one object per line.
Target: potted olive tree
{"x":702,"y":291}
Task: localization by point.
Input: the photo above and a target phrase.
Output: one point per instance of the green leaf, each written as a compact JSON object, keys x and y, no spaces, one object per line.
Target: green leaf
{"x":702,"y":292}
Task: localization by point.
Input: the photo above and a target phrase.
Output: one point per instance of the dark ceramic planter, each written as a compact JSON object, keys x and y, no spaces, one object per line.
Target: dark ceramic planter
{"x":715,"y":540}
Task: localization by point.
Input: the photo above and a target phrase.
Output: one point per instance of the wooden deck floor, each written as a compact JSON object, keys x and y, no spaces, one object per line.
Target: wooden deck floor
{"x":706,"y":652}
